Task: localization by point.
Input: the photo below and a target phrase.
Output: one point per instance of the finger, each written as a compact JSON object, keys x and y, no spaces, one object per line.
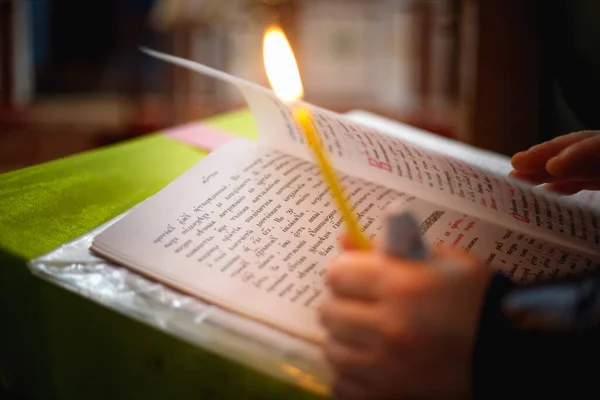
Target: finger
{"x":355,"y":275}
{"x":535,"y":158}
{"x":343,"y":358}
{"x":570,"y":188}
{"x":579,"y":161}
{"x":556,"y":184}
{"x":533,"y":177}
{"x":350,"y":388}
{"x":351,"y":323}
{"x":346,"y":243}
{"x":455,"y":260}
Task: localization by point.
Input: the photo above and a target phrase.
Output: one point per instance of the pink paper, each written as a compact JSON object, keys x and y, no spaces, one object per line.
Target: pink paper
{"x":199,"y":135}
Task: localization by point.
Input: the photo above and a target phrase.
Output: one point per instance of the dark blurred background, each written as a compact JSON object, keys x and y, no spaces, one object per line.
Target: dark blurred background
{"x":72,"y":77}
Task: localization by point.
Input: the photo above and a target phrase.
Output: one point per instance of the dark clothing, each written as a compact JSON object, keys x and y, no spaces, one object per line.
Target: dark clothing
{"x":539,"y":340}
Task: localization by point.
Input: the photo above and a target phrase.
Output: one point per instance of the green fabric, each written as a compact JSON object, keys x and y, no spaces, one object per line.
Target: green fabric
{"x":46,"y":205}
{"x":43,"y":206}
{"x":59,"y":345}
{"x":241,"y":122}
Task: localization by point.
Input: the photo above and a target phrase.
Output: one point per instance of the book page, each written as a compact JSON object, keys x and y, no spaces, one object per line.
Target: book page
{"x":435,"y":176}
{"x":249,"y":229}
{"x":496,"y":163}
{"x":252,"y":230}
{"x":523,"y":258}
{"x":488,"y":160}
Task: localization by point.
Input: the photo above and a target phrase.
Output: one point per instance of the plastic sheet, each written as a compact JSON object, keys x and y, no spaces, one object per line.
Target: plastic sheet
{"x":240,"y":339}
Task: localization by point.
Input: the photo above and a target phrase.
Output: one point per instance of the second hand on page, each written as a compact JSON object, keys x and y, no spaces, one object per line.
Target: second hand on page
{"x":283,"y":74}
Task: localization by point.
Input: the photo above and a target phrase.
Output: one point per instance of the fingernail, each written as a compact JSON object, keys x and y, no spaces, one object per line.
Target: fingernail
{"x":553,"y":165}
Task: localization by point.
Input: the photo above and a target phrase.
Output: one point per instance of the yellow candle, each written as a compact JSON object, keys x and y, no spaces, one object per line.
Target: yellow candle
{"x":303,"y":119}
{"x":282,"y":71}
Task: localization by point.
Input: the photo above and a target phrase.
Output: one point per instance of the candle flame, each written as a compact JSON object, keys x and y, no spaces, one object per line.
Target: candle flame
{"x":281,"y":66}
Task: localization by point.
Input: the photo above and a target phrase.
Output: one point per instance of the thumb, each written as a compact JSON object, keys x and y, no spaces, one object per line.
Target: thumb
{"x":458,"y":260}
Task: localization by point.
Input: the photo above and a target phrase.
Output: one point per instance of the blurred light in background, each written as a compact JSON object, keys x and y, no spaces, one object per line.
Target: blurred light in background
{"x":72,"y":77}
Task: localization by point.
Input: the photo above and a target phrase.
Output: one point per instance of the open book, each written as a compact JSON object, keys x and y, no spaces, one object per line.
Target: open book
{"x":251,"y":227}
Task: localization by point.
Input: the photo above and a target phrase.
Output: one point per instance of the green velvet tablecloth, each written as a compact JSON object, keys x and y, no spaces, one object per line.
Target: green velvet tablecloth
{"x":57,"y":345}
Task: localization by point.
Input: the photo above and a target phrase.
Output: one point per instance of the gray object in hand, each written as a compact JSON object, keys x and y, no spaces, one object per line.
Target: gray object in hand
{"x":403,"y":238}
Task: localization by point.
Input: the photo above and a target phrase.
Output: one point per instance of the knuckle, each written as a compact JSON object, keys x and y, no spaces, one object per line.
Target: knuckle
{"x":397,"y":335}
{"x":328,"y":315}
{"x":344,"y":388}
{"x":363,"y":275}
{"x":337,"y":268}
{"x":344,"y":358}
{"x":394,"y":290}
{"x":326,"y":310}
{"x":336,"y":355}
{"x":390,"y":288}
{"x":336,"y":264}
{"x":352,"y":268}
{"x":332,"y":272}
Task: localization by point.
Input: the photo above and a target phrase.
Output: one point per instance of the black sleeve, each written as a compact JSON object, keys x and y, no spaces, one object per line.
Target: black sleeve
{"x":539,"y":340}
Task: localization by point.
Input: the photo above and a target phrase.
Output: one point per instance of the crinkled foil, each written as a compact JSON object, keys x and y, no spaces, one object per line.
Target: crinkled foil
{"x":73,"y":267}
